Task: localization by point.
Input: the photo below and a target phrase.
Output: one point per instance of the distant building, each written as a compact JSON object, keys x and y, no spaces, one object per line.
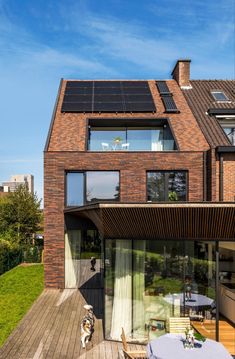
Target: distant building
{"x":17,"y":180}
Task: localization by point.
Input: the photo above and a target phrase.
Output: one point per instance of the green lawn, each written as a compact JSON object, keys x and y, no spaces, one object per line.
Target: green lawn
{"x":18,"y":290}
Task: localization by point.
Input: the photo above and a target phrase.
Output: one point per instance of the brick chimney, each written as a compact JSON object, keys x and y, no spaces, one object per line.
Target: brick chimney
{"x":181,"y":73}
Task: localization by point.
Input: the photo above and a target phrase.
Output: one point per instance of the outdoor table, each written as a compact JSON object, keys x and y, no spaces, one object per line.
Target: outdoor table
{"x":171,"y":346}
{"x":196,"y":300}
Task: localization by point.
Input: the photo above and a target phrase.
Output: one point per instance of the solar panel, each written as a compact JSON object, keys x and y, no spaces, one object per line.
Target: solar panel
{"x":140,"y":107}
{"x":107,"y":96}
{"x":76,"y":107}
{"x":108,"y":107}
{"x":169,"y":104}
{"x":107,"y":84}
{"x":77,"y":98}
{"x":78,"y":90}
{"x":162,"y":87}
{"x":166,"y":97}
{"x":79,"y":84}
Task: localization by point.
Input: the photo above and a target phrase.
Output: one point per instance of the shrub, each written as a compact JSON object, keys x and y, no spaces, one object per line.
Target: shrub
{"x":10,"y":255}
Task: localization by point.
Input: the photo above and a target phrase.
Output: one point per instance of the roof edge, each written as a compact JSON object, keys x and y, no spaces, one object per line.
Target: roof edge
{"x":53,"y":117}
{"x":150,"y":205}
{"x":225,"y":149}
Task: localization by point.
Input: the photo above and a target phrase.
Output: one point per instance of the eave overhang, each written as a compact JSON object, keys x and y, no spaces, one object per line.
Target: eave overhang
{"x":168,"y":221}
{"x":225,"y":149}
{"x":221,"y":111}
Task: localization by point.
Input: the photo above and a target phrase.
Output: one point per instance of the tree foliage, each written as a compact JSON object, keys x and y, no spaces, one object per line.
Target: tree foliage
{"x":20,"y":216}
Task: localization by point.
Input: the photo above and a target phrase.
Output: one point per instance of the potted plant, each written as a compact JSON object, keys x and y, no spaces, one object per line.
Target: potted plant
{"x":172,"y":196}
{"x":117,"y":139}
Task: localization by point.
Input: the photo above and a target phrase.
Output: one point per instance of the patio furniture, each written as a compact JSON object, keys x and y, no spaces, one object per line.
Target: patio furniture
{"x":131,"y":354}
{"x":171,"y":346}
{"x":125,"y":146}
{"x":178,"y":324}
{"x":105,"y":146}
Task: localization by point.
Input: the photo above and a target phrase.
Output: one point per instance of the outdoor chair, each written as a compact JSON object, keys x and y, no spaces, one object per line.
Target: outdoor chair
{"x":131,"y":354}
{"x":178,"y":325}
{"x":105,"y":146}
{"x":125,"y":146}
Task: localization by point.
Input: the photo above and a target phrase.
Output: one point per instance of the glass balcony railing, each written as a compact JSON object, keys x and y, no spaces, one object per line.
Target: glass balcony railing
{"x":130,"y":139}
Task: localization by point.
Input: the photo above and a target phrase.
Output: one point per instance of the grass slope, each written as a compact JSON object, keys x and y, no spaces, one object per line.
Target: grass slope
{"x":18,"y":290}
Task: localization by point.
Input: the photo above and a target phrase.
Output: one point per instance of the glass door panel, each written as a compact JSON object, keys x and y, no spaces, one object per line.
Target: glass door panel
{"x":156,"y":280}
{"x":72,"y":258}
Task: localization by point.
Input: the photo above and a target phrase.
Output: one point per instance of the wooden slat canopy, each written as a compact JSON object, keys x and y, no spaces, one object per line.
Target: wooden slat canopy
{"x":204,"y":221}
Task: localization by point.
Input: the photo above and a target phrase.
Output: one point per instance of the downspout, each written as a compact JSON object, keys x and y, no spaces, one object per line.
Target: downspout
{"x":204,"y":176}
{"x":221,"y":178}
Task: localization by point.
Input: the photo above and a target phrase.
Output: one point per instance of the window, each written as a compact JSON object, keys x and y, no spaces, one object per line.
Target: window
{"x":166,"y":186}
{"x":219,"y":96}
{"x":228,"y":126}
{"x":91,"y":186}
{"x":75,"y":189}
{"x":230,"y":132}
{"x":102,"y":186}
{"x":130,"y":138}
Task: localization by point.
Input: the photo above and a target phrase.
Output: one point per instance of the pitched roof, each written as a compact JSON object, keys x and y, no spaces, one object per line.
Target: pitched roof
{"x":200,"y":101}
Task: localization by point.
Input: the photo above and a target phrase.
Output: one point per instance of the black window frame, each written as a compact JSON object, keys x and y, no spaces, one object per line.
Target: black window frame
{"x":166,"y":181}
{"x":131,"y":122}
{"x":85,"y":202}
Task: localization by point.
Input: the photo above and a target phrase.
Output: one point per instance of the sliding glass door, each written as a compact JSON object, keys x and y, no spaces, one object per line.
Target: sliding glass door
{"x":147,"y":282}
{"x":83,"y":267}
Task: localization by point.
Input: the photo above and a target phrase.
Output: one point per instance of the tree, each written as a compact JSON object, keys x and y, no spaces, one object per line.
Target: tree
{"x":20,"y":215}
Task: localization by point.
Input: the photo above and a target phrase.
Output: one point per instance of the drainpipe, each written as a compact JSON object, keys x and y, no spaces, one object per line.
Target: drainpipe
{"x":221,"y":178}
{"x":204,"y":176}
{"x":217,"y":290}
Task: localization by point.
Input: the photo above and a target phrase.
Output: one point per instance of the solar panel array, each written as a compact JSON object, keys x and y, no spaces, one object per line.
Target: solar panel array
{"x":167,"y":98}
{"x":107,"y":96}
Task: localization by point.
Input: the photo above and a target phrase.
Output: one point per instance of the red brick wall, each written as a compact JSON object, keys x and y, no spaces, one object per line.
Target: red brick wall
{"x":69,"y":129}
{"x":66,"y":152}
{"x":228,"y":177}
{"x":132,"y":166}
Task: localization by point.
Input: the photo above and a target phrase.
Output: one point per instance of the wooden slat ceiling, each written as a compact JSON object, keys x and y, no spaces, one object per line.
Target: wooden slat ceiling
{"x":168,"y":221}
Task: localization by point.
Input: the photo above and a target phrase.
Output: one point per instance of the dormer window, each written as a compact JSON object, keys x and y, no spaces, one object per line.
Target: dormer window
{"x":228,"y":126}
{"x":219,"y":96}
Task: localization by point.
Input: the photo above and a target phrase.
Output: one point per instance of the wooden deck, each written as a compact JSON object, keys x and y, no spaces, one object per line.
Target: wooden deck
{"x":226,"y":332}
{"x":51,"y":328}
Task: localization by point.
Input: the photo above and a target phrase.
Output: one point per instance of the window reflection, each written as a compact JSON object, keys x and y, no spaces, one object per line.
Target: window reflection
{"x":102,"y":186}
{"x":131,"y":139}
{"x":92,"y":186}
{"x":166,"y":186}
{"x":147,"y":282}
{"x":75,"y":190}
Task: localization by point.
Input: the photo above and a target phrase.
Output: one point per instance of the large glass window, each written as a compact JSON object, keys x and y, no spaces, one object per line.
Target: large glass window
{"x":131,"y":139}
{"x":91,"y":186}
{"x":75,"y":188}
{"x":147,"y":282}
{"x":166,"y":186}
{"x":102,"y":186}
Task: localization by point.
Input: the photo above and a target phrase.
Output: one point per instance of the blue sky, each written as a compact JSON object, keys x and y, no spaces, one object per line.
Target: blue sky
{"x":44,"y":40}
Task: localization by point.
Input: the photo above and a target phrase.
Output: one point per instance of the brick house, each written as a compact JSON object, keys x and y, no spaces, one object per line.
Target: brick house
{"x":133,"y":178}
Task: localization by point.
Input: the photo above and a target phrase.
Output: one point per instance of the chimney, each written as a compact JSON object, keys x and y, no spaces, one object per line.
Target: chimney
{"x":181,"y":73}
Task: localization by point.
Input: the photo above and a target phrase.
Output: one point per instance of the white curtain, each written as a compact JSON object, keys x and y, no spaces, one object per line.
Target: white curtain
{"x":138,"y":288}
{"x":122,"y":302}
{"x":156,"y":140}
{"x":72,"y":258}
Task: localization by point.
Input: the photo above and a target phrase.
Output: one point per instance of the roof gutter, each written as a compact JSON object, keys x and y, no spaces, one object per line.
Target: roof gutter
{"x":221,"y":111}
{"x":225,"y":149}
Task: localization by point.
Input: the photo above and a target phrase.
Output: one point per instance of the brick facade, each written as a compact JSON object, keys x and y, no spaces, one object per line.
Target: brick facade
{"x":228,"y":177}
{"x":67,"y":151}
